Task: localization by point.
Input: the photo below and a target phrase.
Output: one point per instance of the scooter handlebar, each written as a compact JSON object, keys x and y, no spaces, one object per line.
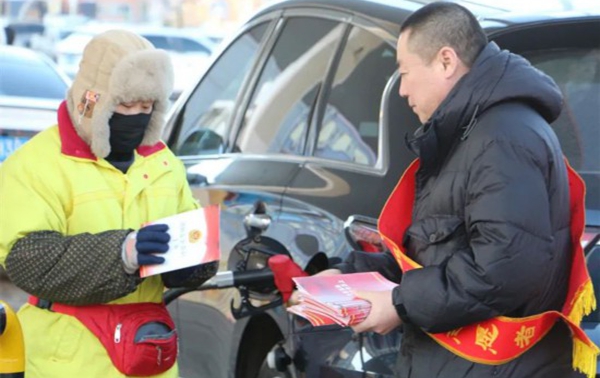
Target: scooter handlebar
{"x":278,"y":274}
{"x":225,"y":279}
{"x":243,"y":278}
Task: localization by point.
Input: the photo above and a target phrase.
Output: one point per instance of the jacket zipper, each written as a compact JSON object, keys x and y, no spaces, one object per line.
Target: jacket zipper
{"x":118,"y":333}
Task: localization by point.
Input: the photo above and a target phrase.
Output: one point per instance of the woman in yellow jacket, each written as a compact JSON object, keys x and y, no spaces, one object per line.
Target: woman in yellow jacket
{"x":72,"y":196}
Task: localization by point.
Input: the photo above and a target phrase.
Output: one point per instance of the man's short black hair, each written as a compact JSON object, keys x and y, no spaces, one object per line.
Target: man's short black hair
{"x":442,"y":24}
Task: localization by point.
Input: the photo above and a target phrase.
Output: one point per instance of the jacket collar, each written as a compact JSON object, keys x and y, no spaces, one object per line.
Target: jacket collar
{"x":73,"y":145}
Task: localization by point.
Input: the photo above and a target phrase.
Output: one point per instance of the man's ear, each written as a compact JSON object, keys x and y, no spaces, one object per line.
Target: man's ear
{"x":449,"y":61}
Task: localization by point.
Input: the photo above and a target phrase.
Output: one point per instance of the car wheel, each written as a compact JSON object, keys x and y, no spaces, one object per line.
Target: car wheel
{"x":267,"y":372}
{"x":261,"y":336}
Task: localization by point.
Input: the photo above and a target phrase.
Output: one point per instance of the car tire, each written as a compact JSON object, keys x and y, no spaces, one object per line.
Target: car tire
{"x":261,"y":337}
{"x":267,"y":372}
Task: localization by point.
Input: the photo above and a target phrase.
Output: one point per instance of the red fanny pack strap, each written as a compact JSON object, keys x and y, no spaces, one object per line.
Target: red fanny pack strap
{"x":53,"y":306}
{"x":77,"y":310}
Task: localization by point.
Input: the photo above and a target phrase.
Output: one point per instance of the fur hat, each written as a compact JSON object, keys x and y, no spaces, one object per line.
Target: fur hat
{"x":118,"y":66}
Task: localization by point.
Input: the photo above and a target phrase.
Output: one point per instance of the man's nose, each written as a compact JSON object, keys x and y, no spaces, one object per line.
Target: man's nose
{"x":402,"y":89}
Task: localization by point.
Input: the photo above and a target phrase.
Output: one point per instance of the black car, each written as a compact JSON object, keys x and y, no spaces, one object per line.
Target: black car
{"x":297,"y":131}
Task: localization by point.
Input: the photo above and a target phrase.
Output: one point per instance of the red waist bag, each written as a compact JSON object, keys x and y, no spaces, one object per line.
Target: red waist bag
{"x":140,"y":338}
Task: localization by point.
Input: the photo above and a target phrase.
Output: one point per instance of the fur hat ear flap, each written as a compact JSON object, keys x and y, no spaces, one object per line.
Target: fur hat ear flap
{"x":100,"y":145}
{"x":77,"y":117}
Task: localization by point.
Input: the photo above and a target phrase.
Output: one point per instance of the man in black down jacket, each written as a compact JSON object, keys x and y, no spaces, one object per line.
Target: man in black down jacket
{"x":491,"y":215}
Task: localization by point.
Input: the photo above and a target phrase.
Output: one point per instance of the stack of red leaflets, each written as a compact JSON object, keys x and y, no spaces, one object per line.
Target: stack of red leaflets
{"x":327,"y":300}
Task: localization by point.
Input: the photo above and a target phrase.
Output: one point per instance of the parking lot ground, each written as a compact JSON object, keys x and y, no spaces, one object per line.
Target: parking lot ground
{"x":12,"y":295}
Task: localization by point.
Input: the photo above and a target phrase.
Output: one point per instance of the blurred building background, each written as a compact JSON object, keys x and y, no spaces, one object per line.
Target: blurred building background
{"x":221,"y":15}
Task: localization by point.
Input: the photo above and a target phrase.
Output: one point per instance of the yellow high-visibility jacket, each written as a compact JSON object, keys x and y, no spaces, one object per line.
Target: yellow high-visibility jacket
{"x":54,"y":183}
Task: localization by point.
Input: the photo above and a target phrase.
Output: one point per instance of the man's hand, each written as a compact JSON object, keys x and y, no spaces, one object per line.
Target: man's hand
{"x":383,"y":317}
{"x":294,"y":298}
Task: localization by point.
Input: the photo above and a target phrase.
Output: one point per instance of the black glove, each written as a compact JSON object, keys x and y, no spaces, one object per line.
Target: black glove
{"x":141,"y":246}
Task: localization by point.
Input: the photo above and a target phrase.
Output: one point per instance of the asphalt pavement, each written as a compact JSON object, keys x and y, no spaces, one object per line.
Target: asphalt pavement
{"x":10,"y":294}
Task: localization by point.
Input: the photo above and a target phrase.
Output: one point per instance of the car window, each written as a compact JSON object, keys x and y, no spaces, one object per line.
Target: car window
{"x":577,"y":73}
{"x":349,"y":130}
{"x":207,"y":114}
{"x":77,"y":40}
{"x":42,"y":81}
{"x":186,"y":44}
{"x":159,"y":42}
{"x":278,"y":115}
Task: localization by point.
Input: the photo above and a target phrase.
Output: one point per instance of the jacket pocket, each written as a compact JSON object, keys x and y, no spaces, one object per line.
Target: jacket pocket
{"x":437,"y":229}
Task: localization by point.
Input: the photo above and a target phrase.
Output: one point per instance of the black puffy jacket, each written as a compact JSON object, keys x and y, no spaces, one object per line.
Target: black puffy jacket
{"x":490,"y":222}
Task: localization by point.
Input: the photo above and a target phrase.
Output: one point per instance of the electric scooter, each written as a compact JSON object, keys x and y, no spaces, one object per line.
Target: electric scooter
{"x":12,"y":349}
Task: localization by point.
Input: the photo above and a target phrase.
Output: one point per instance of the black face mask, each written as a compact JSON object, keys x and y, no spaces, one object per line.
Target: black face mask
{"x":127,"y":132}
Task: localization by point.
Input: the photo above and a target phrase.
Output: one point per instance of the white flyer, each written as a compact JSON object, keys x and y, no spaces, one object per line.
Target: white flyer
{"x":194,"y":240}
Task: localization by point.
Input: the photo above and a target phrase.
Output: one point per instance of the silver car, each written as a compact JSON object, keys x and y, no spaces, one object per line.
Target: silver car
{"x":31,"y":89}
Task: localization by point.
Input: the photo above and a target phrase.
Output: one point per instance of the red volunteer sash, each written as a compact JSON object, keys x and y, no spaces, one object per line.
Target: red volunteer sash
{"x":502,"y":339}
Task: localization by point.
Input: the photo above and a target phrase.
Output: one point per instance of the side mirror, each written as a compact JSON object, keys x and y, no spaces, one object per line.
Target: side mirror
{"x":196,"y":179}
{"x":362,"y":234}
{"x":201,"y":142}
{"x":9,"y":35}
